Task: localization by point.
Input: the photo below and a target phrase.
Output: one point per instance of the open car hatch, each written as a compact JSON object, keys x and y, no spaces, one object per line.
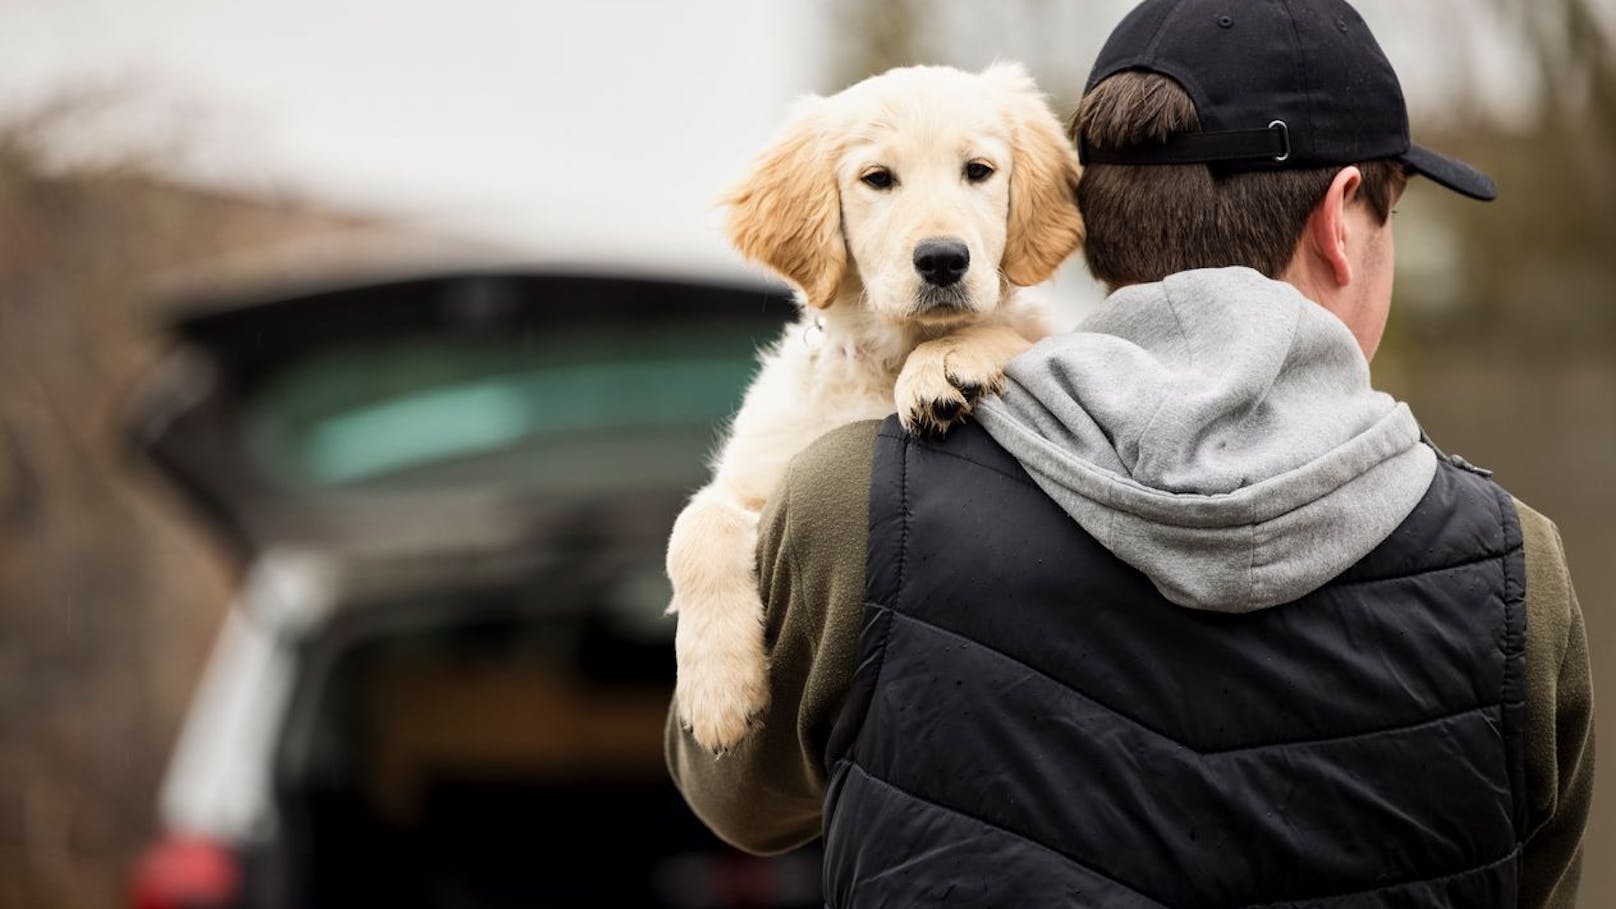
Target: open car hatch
{"x":487,"y":401}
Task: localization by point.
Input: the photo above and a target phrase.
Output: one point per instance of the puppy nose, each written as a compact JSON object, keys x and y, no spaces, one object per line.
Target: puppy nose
{"x":942,"y":262}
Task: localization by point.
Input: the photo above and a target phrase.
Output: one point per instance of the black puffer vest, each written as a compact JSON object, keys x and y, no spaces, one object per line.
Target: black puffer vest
{"x":1031,"y":724}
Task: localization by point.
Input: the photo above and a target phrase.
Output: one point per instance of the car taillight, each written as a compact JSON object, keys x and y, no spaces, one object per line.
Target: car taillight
{"x":729,"y":880}
{"x":186,"y":873}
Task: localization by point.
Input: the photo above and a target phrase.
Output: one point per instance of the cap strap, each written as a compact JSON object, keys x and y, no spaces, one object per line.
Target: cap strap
{"x":1271,"y":144}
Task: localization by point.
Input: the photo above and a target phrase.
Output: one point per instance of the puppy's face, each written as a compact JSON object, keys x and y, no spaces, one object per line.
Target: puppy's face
{"x":934,"y":188}
{"x":925,"y":188}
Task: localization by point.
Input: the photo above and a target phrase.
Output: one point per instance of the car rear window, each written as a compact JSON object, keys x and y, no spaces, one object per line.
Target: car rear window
{"x":575,"y":410}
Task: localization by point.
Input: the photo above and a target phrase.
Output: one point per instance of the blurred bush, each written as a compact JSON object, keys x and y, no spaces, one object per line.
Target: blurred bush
{"x":107,"y":599}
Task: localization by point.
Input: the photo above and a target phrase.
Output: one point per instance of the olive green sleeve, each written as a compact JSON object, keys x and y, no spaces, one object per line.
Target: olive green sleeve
{"x":1559,"y":721}
{"x":765,"y":795}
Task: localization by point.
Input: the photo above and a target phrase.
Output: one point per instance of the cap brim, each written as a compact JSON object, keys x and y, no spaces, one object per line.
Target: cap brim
{"x":1452,"y":173}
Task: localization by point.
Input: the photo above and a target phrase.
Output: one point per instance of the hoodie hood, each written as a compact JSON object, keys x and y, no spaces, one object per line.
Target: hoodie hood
{"x":1218,"y":432}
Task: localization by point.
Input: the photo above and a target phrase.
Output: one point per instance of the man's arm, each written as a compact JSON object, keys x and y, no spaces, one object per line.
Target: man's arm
{"x":1559,"y":721}
{"x":765,"y":796}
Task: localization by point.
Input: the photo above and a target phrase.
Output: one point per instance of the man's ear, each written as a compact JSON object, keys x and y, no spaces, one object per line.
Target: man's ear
{"x":787,"y":213}
{"x":1045,"y":225}
{"x":1326,"y":230}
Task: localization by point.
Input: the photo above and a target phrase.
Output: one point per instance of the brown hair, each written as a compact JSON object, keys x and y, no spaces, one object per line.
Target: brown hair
{"x":1147,"y":222}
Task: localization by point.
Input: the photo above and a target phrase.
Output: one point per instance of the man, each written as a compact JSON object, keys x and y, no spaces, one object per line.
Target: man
{"x":1194,"y":617}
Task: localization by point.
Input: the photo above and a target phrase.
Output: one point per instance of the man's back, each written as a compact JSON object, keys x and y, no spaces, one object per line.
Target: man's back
{"x":1024,"y":700}
{"x":766,"y":796}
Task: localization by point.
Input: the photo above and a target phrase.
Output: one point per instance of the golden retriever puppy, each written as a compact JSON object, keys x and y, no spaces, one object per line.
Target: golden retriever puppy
{"x":906,"y":210}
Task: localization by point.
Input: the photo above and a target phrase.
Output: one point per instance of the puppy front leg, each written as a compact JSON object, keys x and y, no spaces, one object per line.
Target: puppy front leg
{"x":942,"y":379}
{"x":718,"y":645}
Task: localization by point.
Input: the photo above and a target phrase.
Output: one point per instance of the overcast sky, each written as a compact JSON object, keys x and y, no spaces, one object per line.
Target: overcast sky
{"x":558,"y":129}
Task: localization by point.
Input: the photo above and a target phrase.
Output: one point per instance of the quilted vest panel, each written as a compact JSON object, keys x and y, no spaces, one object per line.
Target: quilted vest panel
{"x":1032,"y":724}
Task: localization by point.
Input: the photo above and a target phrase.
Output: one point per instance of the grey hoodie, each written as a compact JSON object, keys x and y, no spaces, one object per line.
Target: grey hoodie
{"x":1217,"y":431}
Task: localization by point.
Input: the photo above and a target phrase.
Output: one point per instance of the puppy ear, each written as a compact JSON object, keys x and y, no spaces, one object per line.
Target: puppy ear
{"x":787,"y":214}
{"x":1045,"y":225}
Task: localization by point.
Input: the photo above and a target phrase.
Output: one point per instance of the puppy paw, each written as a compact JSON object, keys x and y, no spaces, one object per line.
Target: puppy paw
{"x":722,"y":685}
{"x":940,"y":384}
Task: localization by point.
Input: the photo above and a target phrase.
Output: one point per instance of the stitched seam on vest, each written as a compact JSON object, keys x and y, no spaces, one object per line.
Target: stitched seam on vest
{"x":1467,"y":563}
{"x":1023,"y":479}
{"x":903,"y":556}
{"x":897,"y":594}
{"x":1215,"y":752}
{"x":1512,"y":646}
{"x":1509,"y":856}
{"x":882,"y":781}
{"x":855,"y":710}
{"x":904,"y":517}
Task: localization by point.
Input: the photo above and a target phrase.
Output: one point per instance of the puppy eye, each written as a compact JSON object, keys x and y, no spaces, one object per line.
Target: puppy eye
{"x":880,"y":178}
{"x":977,"y":171}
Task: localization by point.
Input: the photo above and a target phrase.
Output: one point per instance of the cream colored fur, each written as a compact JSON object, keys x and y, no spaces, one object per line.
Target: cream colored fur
{"x":867,"y":343}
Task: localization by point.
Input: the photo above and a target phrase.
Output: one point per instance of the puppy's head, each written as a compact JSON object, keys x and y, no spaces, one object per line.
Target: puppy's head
{"x":937,"y":186}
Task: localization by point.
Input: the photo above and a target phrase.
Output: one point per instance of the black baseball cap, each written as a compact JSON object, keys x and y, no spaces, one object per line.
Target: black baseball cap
{"x":1276,"y":84}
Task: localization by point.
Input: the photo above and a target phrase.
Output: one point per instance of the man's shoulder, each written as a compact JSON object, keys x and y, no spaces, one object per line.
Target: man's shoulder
{"x":1538,"y":531}
{"x":1550,"y":600}
{"x":825,"y":494}
{"x":1548,"y":577}
{"x":836,"y":462}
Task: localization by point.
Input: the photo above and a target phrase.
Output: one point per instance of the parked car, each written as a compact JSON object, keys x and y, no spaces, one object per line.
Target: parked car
{"x":444,"y":679}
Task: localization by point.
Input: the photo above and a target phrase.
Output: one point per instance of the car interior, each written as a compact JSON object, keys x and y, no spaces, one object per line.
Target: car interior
{"x":487,"y":749}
